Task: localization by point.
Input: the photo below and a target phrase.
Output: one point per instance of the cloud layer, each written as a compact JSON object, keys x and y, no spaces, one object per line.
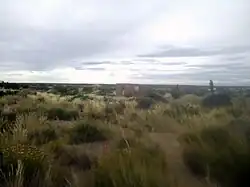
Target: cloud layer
{"x":107,"y":41}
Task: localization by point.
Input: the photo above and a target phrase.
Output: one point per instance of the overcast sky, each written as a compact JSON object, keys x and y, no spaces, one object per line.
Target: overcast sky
{"x":140,"y":41}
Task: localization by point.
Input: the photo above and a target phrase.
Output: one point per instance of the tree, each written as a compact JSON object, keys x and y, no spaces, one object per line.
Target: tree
{"x":211,"y":87}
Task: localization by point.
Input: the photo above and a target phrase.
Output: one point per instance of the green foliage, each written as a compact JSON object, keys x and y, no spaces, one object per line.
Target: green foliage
{"x":219,"y":155}
{"x":85,"y":133}
{"x":62,"y":114}
{"x":137,"y":167}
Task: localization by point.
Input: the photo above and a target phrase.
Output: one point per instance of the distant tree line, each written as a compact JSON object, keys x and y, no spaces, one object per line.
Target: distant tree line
{"x":8,"y":92}
{"x":14,"y":86}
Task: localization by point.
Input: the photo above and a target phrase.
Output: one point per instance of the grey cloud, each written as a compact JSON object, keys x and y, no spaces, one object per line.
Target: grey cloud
{"x":153,"y":61}
{"x":42,"y":50}
{"x":39,"y":36}
{"x":96,"y":63}
{"x":235,"y":58}
{"x":67,"y":35}
{"x":91,"y":68}
{"x":173,"y":51}
{"x":230,"y":66}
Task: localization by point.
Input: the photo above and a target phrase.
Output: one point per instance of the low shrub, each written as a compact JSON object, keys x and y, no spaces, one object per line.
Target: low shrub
{"x":7,"y":121}
{"x":85,"y":133}
{"x":137,"y":167}
{"x":60,"y":176}
{"x":216,"y":153}
{"x":70,"y":156}
{"x":62,"y":114}
{"x":12,"y":99}
{"x":42,"y":136}
{"x":8,"y":116}
{"x":41,"y":99}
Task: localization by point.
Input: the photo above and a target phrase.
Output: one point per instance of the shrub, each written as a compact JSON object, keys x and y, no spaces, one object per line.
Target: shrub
{"x":157,"y":97}
{"x":9,"y":116}
{"x":12,"y":99}
{"x":144,"y":103}
{"x":179,"y":111}
{"x":70,"y":156}
{"x":41,"y":99}
{"x":60,"y":176}
{"x":85,"y":133}
{"x":138,"y":167}
{"x":215,"y":152}
{"x":42,"y":136}
{"x":217,"y":100}
{"x":7,"y":121}
{"x":34,"y":165}
{"x":62,"y":114}
{"x":80,"y":107}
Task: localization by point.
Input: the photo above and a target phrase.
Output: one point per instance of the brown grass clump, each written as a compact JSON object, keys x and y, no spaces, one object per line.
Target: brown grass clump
{"x":42,"y":135}
{"x":86,"y":133}
{"x":62,"y":114}
{"x":138,"y":167}
{"x":219,"y":156}
{"x":34,"y":165}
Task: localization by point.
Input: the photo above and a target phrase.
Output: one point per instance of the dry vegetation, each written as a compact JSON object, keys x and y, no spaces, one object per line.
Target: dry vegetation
{"x":47,"y":140}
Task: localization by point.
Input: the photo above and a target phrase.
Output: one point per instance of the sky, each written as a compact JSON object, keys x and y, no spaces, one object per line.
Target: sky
{"x":132,"y":41}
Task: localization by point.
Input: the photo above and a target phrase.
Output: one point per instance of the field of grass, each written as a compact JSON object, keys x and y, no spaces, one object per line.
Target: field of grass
{"x":47,"y":140}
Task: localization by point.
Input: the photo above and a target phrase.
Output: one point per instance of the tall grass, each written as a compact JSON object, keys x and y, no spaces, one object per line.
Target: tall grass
{"x":69,"y":143}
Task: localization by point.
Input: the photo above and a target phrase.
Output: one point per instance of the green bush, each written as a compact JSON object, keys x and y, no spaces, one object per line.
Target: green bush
{"x":62,"y":114}
{"x":215,"y":152}
{"x":42,"y":136}
{"x":34,"y":165}
{"x":85,"y":133}
{"x":138,"y":167}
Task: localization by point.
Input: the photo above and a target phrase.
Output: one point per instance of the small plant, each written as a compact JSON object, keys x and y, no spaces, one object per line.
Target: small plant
{"x":85,"y":133}
{"x":62,"y":114}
